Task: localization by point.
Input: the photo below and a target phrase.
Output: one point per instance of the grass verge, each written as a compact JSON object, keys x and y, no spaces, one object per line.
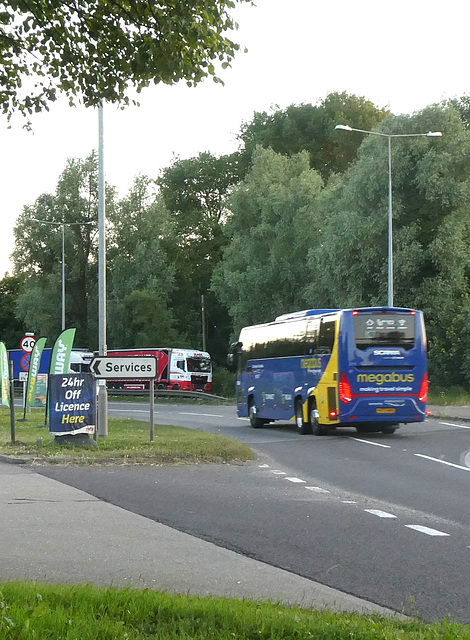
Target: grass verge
{"x":32,"y":610}
{"x":127,"y":441}
{"x":452,"y":396}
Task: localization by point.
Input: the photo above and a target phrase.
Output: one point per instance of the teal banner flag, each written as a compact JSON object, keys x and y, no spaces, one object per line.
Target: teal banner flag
{"x":60,"y":356}
{"x":33,"y":371}
{"x":4,"y":375}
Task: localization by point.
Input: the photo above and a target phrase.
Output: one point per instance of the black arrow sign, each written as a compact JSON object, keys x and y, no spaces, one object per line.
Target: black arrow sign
{"x":95,"y":367}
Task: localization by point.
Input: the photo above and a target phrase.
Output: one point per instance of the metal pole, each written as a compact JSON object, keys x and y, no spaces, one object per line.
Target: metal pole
{"x":12,"y":403}
{"x":102,"y":390}
{"x":63,"y":276}
{"x":390,"y":229}
{"x":203,"y":322}
{"x":152,"y":401}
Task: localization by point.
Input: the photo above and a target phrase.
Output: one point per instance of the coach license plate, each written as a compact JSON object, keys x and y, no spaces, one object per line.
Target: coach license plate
{"x":386,"y":410}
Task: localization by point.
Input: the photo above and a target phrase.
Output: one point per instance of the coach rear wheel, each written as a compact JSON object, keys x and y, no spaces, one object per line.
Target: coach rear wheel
{"x":302,"y":426}
{"x":316,"y":428}
{"x":388,"y":429}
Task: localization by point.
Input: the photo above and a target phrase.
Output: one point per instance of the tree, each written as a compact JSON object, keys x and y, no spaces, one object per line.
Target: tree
{"x":96,"y":50}
{"x":141,"y":277}
{"x":38,"y":254}
{"x":195,"y":191}
{"x":431,"y":218}
{"x":11,"y":329}
{"x":312,"y":128}
{"x":273,"y":224}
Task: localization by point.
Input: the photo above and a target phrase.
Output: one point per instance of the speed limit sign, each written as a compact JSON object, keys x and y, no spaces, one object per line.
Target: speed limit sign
{"x":27,"y":343}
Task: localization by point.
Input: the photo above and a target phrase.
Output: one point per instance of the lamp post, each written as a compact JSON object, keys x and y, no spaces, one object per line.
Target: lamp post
{"x":63,"y":225}
{"x":389,"y":136}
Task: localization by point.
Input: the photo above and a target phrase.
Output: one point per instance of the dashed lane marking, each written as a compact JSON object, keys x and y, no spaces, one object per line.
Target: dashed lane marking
{"x":426,"y":530}
{"x":376,"y":444}
{"x":451,"y":424}
{"x":318,"y":490}
{"x":449,"y":464}
{"x":205,"y":415}
{"x":379,"y":513}
{"x":296,"y":480}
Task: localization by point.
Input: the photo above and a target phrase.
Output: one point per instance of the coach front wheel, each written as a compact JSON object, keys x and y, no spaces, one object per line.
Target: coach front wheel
{"x":255,"y":422}
{"x":302,"y":427}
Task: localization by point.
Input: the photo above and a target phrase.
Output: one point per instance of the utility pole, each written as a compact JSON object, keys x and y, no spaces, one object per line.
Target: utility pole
{"x":103,"y":349}
{"x":203,"y":322}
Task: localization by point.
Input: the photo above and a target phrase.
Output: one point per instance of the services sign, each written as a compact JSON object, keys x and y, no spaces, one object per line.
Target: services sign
{"x":124,"y":367}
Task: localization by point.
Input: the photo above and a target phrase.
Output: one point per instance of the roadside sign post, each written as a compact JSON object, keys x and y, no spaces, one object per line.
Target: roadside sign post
{"x":126,"y":367}
{"x":27,"y":345}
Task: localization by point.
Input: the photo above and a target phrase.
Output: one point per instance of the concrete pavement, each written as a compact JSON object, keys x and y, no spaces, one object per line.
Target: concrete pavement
{"x":51,"y":532}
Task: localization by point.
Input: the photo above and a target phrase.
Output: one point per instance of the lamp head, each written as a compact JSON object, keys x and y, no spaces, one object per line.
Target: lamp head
{"x":343,"y":127}
{"x":434,"y":134}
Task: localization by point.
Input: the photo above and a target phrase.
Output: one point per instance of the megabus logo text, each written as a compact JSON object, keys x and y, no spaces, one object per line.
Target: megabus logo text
{"x":380,"y":378}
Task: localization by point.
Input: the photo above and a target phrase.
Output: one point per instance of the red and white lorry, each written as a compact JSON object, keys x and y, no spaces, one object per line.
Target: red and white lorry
{"x":185,"y":369}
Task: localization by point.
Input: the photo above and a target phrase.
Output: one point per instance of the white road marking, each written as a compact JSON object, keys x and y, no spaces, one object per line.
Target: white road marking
{"x":246,"y":419}
{"x":278,"y":473}
{"x":205,"y":415}
{"x":449,"y":464}
{"x":349,"y":501}
{"x":450,"y":424}
{"x":380,"y":514}
{"x":426,"y":530}
{"x":376,"y":444}
{"x":264,"y":466}
{"x":318,"y":489}
{"x":133,"y":410}
{"x":297,"y":480}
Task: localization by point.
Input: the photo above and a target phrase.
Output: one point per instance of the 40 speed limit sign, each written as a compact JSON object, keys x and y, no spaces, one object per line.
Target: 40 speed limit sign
{"x":27,"y":343}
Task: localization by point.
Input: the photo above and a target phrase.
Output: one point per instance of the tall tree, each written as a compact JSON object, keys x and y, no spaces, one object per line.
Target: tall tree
{"x":312,"y":128}
{"x":431,"y":217}
{"x":11,"y":329}
{"x":141,"y":277}
{"x":195,"y":191}
{"x":97,"y":50}
{"x":38,"y":253}
{"x":273,"y":224}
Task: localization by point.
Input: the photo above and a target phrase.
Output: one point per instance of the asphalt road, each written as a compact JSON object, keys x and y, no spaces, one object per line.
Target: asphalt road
{"x":385,"y":518}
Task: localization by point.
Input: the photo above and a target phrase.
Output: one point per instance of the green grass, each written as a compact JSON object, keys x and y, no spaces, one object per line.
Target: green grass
{"x":127,"y":441}
{"x":31,"y":611}
{"x":454,"y":396}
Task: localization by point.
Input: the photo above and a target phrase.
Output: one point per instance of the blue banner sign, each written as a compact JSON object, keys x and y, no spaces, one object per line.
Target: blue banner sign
{"x":71,"y":404}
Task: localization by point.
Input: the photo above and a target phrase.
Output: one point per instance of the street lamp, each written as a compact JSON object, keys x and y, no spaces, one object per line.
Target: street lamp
{"x":430,"y":134}
{"x":63,"y":225}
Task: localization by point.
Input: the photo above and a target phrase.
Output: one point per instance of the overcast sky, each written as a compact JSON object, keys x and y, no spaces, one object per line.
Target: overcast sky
{"x":404,"y":55}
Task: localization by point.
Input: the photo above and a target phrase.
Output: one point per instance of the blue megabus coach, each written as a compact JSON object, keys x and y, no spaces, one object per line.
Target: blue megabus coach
{"x":324,"y":368}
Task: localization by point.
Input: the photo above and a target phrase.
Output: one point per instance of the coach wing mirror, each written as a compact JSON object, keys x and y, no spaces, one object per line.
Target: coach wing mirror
{"x":233,"y":350}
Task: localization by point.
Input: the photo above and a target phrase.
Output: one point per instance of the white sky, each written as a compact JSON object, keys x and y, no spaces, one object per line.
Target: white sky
{"x":404,"y":55}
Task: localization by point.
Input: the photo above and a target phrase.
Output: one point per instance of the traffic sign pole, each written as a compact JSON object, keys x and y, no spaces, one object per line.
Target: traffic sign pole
{"x":125,"y":368}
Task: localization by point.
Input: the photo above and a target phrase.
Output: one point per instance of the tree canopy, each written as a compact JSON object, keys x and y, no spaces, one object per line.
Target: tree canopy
{"x":311,"y":128}
{"x":97,"y":50}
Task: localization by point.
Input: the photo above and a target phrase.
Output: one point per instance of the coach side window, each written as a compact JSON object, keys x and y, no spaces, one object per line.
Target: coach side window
{"x":326,"y":337}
